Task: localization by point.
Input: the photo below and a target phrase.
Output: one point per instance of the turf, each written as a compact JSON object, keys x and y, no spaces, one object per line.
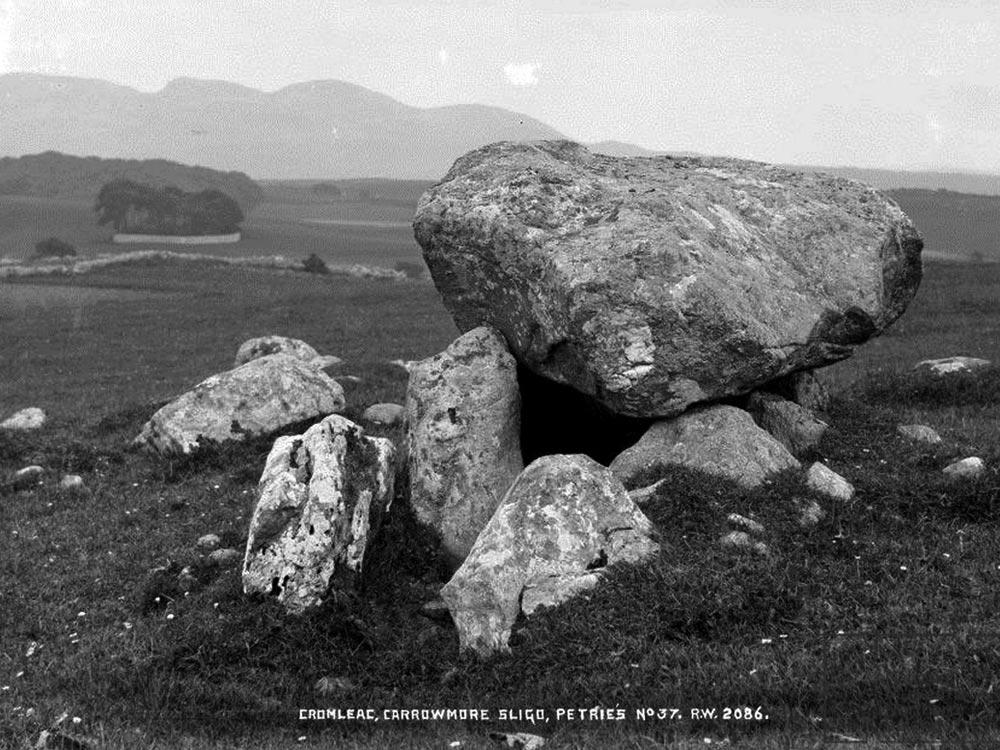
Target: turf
{"x":879,"y":623}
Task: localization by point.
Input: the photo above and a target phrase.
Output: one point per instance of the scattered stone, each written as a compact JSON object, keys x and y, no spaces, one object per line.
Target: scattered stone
{"x":951,"y":365}
{"x":741,"y":540}
{"x":225,"y":556}
{"x":437,"y":611}
{"x":747,"y":524}
{"x":334,"y":686}
{"x":384,"y":414}
{"x":810,"y":512}
{"x":824,"y":480}
{"x":463,"y":437}
{"x":653,"y":284}
{"x":792,"y":425}
{"x":31,"y":418}
{"x":519,"y":740}
{"x":72,"y":483}
{"x":805,"y":388}
{"x":263,"y":346}
{"x":322,"y":498}
{"x":644,"y":494}
{"x":564,"y":520}
{"x":257,"y":398}
{"x":919,"y":433}
{"x":29,"y":476}
{"x":967,"y":468}
{"x":208,"y":542}
{"x":720,"y":440}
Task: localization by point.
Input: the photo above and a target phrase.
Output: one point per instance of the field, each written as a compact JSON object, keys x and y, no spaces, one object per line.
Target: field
{"x":880,"y":624}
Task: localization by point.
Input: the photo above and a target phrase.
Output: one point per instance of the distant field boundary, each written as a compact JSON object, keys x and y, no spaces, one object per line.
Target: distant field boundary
{"x":278,"y":262}
{"x":175,"y":239}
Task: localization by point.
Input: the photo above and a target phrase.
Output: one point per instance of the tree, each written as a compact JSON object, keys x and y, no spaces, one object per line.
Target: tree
{"x":135,"y":207}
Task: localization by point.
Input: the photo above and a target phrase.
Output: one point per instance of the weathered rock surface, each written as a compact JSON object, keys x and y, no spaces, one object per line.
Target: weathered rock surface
{"x":384,"y":413}
{"x":951,"y":365}
{"x":31,"y":418}
{"x":792,"y":425}
{"x":463,"y":436}
{"x":803,"y":387}
{"x":720,"y":440}
{"x":967,"y":468}
{"x":653,"y":284}
{"x":561,"y":522}
{"x":322,"y":498}
{"x":824,"y":480}
{"x":257,"y":398}
{"x":262,"y":346}
{"x":919,"y":433}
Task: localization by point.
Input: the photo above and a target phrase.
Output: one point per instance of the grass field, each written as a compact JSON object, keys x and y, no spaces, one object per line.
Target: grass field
{"x":882,"y":623}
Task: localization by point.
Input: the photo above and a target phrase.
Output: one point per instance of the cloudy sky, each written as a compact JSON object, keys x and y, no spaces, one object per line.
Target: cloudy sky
{"x":889,"y":83}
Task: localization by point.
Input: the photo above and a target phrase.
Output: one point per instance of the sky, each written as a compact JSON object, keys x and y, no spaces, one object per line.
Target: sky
{"x":871,"y":83}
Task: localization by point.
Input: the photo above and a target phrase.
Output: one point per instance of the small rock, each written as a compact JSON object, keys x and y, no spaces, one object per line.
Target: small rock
{"x":967,"y":468}
{"x":810,"y":512}
{"x":186,"y":581}
{"x":225,"y":556}
{"x":826,"y":481}
{"x":72,"y":483}
{"x":437,"y":611}
{"x":384,"y":413}
{"x":747,"y":524}
{"x":27,"y":419}
{"x":27,"y":477}
{"x":208,"y":542}
{"x":740,"y":540}
{"x":519,"y":740}
{"x":950,"y":365}
{"x":919,"y":433}
{"x":334,"y":685}
{"x":645,"y":494}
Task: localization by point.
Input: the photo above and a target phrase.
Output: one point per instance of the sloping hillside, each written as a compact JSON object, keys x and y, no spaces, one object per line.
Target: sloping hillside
{"x":55,"y":175}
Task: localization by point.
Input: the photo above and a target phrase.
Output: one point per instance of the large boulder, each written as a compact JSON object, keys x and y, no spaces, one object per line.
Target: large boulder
{"x":655,"y":283}
{"x":720,"y":440}
{"x":258,"y":398}
{"x":322,"y":498}
{"x":563,"y":521}
{"x":462,"y":437}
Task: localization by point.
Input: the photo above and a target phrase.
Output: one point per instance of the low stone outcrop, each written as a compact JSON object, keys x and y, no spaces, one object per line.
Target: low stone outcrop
{"x":262,"y":346}
{"x":794,"y":426}
{"x":462,"y":437}
{"x":951,"y":365}
{"x":720,"y":440}
{"x":257,"y":398}
{"x":655,"y":283}
{"x":967,"y":468}
{"x":824,"y":480}
{"x":919,"y":433}
{"x":563,"y":521}
{"x":322,"y":498}
{"x":31,"y":418}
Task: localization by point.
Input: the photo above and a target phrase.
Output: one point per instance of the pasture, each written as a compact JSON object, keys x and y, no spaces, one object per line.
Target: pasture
{"x":881,"y":623}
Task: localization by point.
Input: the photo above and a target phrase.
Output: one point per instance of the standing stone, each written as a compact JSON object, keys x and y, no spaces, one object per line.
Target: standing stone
{"x":257,"y":398}
{"x":463,"y":442}
{"x":790,"y":424}
{"x":322,"y":498}
{"x":564,"y":520}
{"x":31,"y":418}
{"x":655,"y":283}
{"x":720,"y":440}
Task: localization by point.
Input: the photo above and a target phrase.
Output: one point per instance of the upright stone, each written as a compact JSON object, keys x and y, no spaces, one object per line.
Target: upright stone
{"x":463,"y":436}
{"x":563,"y":521}
{"x":322,"y":498}
{"x":655,"y":283}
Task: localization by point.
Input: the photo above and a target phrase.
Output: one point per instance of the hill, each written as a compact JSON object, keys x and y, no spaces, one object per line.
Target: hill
{"x":321,"y":129}
{"x":958,"y":226}
{"x":55,"y":175}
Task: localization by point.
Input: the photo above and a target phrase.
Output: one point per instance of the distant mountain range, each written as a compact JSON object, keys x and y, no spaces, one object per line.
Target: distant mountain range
{"x":320,"y":129}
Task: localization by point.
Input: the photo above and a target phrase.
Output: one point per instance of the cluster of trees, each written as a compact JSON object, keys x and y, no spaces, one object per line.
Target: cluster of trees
{"x":137,"y":208}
